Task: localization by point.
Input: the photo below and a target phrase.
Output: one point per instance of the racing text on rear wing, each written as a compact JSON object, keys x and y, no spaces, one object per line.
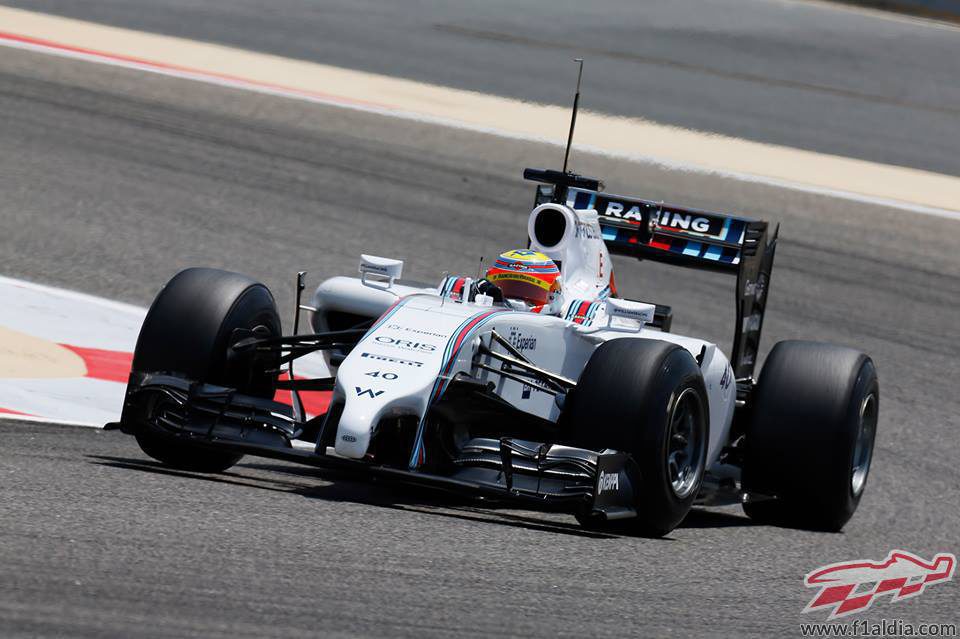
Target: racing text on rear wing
{"x":658,"y":231}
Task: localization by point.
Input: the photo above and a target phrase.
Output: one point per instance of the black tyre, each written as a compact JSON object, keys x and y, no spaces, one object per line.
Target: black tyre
{"x":646,"y":398}
{"x":188,"y":330}
{"x":809,"y":441}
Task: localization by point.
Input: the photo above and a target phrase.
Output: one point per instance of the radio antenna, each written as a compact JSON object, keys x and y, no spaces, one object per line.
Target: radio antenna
{"x":573,"y":118}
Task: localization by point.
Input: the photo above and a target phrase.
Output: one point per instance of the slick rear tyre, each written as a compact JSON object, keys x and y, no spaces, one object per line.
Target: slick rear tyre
{"x":187,"y":331}
{"x":809,"y":441}
{"x":646,"y":398}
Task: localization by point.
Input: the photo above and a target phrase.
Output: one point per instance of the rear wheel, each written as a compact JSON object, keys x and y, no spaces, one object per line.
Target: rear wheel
{"x":646,"y":398}
{"x":188,"y":331}
{"x":809,"y":442}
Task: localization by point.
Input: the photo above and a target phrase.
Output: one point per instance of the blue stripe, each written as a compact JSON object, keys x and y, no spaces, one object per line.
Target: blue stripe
{"x":383,"y":319}
{"x":713,"y":253}
{"x":440,"y":385}
{"x":590,"y":313}
{"x":729,"y":255}
{"x":726,"y":229}
{"x":434,"y":391}
{"x":693,"y":248}
{"x":737,"y":227}
{"x":448,"y":285}
{"x":582,"y":201}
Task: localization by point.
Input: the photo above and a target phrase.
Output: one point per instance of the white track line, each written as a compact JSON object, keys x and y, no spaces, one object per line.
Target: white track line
{"x":5,"y":417}
{"x":74,"y":295}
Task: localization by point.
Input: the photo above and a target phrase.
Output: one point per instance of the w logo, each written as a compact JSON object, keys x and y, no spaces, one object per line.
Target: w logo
{"x":368,"y":391}
{"x":851,"y":587}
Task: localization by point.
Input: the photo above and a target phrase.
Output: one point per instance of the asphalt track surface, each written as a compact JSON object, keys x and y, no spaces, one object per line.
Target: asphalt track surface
{"x":809,"y":75}
{"x":113,"y":180}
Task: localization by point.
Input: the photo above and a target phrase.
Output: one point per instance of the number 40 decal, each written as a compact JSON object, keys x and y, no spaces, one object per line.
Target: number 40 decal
{"x":375,"y":393}
{"x":388,"y":376}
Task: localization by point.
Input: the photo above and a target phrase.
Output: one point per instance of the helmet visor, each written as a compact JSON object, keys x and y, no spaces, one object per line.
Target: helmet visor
{"x":518,"y":289}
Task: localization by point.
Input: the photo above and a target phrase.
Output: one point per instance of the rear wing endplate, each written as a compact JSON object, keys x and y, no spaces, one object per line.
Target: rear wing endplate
{"x":650,"y":230}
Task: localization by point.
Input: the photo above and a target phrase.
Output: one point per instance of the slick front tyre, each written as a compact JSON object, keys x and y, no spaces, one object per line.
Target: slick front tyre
{"x":647,"y":398}
{"x":188,"y":331}
{"x":809,"y":441}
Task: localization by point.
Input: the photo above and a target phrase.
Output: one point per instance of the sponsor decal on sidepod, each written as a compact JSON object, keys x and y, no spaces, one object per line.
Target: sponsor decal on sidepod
{"x":520,"y":341}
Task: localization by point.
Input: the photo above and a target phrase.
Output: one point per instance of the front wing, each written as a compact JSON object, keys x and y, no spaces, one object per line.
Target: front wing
{"x":599,"y":485}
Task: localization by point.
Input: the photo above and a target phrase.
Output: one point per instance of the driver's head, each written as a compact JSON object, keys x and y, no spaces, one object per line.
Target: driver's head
{"x":526,"y":275}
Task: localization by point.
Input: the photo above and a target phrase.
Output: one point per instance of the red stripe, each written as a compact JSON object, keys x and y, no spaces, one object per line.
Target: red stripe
{"x":581,"y":314}
{"x":314,"y":402}
{"x":114,"y":366}
{"x":8,"y":411}
{"x":173,"y":67}
{"x":660,"y":245}
{"x":462,"y":335}
{"x":382,"y":317}
{"x":111,"y":366}
{"x":438,"y":386}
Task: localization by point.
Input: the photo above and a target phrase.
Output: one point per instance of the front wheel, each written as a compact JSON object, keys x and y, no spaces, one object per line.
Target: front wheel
{"x":188,"y":331}
{"x":647,"y":398}
{"x":809,"y":442}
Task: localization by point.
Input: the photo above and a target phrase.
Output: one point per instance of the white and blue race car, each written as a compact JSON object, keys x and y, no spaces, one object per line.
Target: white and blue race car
{"x":591,"y":406}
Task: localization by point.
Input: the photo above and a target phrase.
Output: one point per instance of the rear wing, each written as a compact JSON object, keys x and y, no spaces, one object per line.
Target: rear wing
{"x":650,"y":230}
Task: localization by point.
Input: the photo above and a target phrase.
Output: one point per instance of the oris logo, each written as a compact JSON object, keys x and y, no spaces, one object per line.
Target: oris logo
{"x":407,"y":344}
{"x":608,"y":481}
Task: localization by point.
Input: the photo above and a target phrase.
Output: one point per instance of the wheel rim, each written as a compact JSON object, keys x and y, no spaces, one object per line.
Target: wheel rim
{"x":863,"y":452}
{"x":685,"y":444}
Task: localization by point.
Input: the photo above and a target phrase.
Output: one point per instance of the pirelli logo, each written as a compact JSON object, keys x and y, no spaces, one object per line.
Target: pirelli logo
{"x":392,"y":360}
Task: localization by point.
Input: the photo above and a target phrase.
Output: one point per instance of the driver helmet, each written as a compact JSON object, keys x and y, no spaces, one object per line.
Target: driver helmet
{"x":527,"y":275}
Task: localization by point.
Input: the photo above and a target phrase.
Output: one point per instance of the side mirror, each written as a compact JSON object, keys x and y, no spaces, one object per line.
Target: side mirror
{"x":636,"y":311}
{"x":379,"y":272}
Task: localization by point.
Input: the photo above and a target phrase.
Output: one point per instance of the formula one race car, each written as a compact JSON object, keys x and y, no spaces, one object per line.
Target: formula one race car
{"x":536,"y":384}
